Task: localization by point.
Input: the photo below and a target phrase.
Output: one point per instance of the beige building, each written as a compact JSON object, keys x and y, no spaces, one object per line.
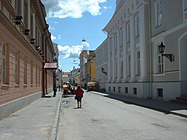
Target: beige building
{"x":135,"y":66}
{"x":25,"y":46}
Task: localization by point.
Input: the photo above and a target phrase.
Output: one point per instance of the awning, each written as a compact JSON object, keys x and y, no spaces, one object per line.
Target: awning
{"x":50,"y":66}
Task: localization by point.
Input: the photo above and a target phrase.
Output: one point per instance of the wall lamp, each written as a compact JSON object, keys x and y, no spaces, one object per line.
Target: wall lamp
{"x":103,"y":71}
{"x":162,"y":49}
{"x":32,"y":40}
{"x":37,"y":47}
{"x":27,"y":31}
{"x":18,"y":20}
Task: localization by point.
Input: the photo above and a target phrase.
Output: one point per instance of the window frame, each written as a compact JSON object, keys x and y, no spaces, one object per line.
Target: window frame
{"x":25,"y":71}
{"x":158,"y":13}
{"x":17,"y":68}
{"x":5,"y":63}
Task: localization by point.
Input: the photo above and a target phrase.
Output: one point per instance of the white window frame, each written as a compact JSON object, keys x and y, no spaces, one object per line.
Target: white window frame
{"x":138,"y":65}
{"x":160,"y":63}
{"x":17,"y":68}
{"x":128,"y":65}
{"x":128,"y":32}
{"x":121,"y":37}
{"x":4,"y":62}
{"x":25,"y":70}
{"x":137,"y":26}
{"x":158,"y":13}
{"x":121,"y":70}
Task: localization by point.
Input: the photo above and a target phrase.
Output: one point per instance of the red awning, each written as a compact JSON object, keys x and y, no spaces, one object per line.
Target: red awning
{"x":50,"y":66}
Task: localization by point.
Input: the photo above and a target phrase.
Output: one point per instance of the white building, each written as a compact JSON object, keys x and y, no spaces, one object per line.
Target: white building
{"x":135,"y":66}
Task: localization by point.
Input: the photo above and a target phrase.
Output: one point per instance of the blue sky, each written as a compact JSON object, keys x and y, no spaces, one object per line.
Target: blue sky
{"x":70,"y":21}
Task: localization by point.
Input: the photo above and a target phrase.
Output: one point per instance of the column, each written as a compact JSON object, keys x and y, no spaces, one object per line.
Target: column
{"x":22,"y":8}
{"x":34,"y":24}
{"x":113,"y":59}
{"x":132,"y":49}
{"x":124,"y":55}
{"x":108,"y":63}
{"x":118,"y":56}
{"x":29,"y":15}
{"x":143,"y":54}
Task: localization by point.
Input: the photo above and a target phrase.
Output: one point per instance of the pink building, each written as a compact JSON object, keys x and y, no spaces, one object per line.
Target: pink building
{"x":25,"y":46}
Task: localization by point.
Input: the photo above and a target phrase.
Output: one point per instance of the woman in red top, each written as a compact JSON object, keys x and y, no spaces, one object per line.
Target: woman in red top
{"x":78,"y":96}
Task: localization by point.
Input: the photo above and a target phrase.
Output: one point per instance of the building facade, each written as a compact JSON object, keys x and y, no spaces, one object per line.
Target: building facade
{"x":87,"y":67}
{"x":25,"y":46}
{"x":135,"y":67}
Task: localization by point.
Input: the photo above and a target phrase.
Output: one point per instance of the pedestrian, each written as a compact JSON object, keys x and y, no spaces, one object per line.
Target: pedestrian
{"x":54,"y":90}
{"x":78,"y":96}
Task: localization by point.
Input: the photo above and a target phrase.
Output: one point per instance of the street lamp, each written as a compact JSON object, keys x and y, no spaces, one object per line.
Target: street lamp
{"x":103,"y":71}
{"x":162,"y":49}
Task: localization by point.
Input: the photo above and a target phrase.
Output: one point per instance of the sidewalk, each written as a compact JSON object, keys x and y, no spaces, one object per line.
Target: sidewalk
{"x":166,"y":107}
{"x":37,"y":121}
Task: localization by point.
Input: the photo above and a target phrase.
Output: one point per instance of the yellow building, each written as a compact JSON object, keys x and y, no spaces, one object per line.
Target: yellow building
{"x":87,"y":67}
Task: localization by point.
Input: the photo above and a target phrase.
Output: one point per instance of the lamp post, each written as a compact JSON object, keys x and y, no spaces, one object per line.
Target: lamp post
{"x":103,"y":71}
{"x":162,"y":49}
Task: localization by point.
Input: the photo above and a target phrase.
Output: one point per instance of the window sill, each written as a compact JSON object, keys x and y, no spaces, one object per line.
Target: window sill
{"x":25,"y":85}
{"x":5,"y":85}
{"x":17,"y":85}
{"x":159,"y":74}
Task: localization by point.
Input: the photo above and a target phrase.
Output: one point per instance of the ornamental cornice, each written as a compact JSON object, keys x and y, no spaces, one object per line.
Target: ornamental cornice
{"x":10,"y":26}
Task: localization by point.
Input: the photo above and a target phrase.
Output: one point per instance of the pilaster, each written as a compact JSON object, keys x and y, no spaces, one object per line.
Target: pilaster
{"x":132,"y":49}
{"x":143,"y":52}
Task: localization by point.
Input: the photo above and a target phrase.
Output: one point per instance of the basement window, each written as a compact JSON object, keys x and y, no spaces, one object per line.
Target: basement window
{"x":160,"y":92}
{"x":126,"y":90}
{"x":134,"y":91}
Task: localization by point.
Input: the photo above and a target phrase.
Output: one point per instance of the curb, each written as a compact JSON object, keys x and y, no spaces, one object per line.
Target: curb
{"x":147,"y":106}
{"x":56,"y":121}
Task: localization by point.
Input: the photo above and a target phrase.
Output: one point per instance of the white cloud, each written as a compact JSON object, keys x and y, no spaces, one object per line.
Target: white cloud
{"x":53,"y":37}
{"x":72,"y":8}
{"x":72,"y":51}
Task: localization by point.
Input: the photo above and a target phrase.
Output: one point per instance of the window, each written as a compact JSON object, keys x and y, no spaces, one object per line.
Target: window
{"x":138,"y":63}
{"x":128,"y":65}
{"x":119,"y":89}
{"x":137,"y":29}
{"x":26,"y":13}
{"x":160,"y":65}
{"x":128,"y":32}
{"x":25,"y":70}
{"x":185,"y":5}
{"x":114,"y":89}
{"x":121,"y":38}
{"x":17,"y":67}
{"x":121,"y":73}
{"x":36,"y":75}
{"x":5,"y":63}
{"x":115,"y":43}
{"x":134,"y":91}
{"x":126,"y":90}
{"x":158,"y":13}
{"x":159,"y":92}
{"x":39,"y":75}
{"x":31,"y":72}
{"x":18,"y":7}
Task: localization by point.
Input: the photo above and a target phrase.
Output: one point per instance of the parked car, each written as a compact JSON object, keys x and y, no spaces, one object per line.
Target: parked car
{"x":91,"y":86}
